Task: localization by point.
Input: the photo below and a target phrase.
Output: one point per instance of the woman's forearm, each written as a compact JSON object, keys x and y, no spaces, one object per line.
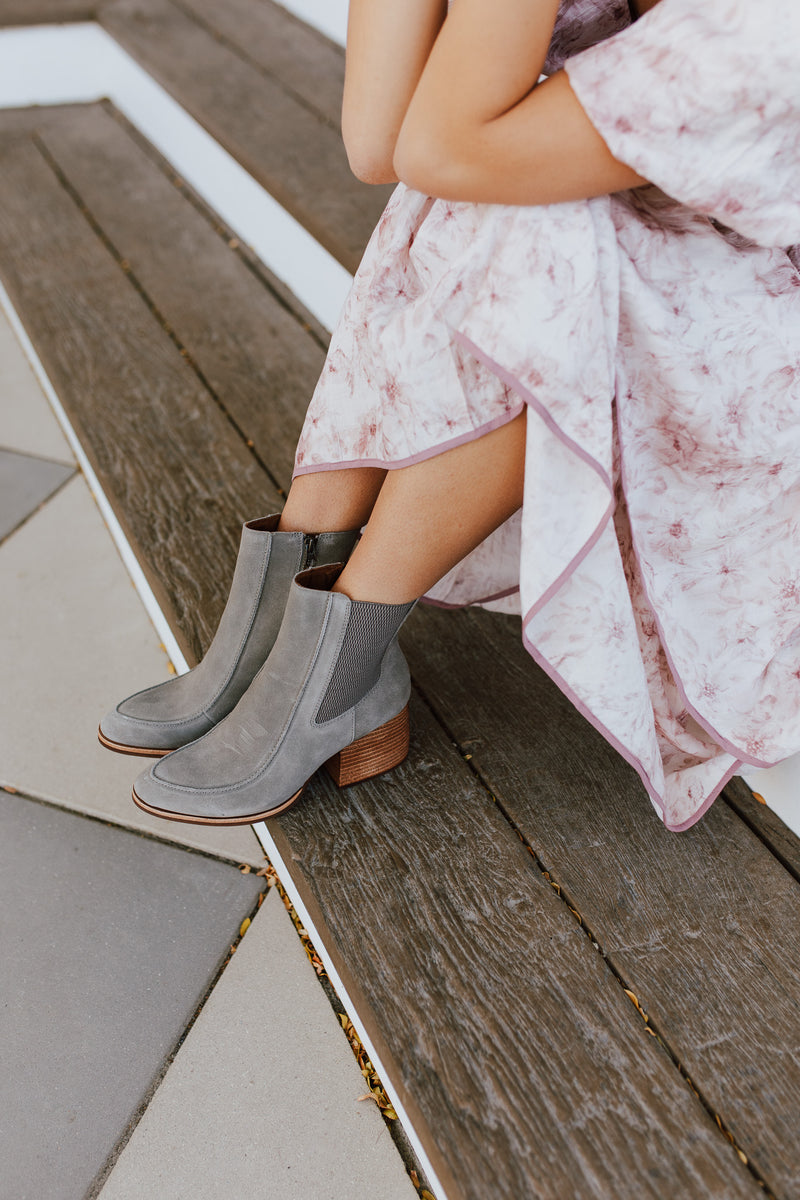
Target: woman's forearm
{"x":479,"y":128}
{"x":388,"y":44}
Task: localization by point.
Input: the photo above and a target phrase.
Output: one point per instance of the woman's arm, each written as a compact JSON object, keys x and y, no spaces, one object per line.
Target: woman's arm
{"x":479,"y":128}
{"x":388,"y":44}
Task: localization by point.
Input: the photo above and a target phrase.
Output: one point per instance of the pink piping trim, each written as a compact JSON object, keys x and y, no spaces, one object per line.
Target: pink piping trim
{"x":574,"y":562}
{"x":704,"y":807}
{"x":396,"y":463}
{"x":511,"y":381}
{"x":483,"y":600}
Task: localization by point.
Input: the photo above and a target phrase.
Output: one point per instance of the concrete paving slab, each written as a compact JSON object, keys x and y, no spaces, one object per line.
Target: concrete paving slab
{"x":110,"y":942}
{"x":75,"y":639}
{"x":262,"y":1098}
{"x":27,"y":422}
{"x":25,"y":483}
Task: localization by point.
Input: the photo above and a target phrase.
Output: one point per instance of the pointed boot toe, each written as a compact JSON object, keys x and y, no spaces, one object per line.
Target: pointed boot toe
{"x":180,"y":710}
{"x":334,"y":692}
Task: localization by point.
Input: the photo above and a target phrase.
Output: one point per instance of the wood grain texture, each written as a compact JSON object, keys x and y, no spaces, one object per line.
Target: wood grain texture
{"x":258,"y":358}
{"x":296,"y":156}
{"x":515,"y":1049}
{"x":44,"y":12}
{"x":302,"y":59}
{"x":782,"y":841}
{"x":703,"y":926}
{"x":179,"y":477}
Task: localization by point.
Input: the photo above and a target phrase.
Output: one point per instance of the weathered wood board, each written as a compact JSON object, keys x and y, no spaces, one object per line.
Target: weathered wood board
{"x":159,"y":442}
{"x":703,"y":927}
{"x":303,"y":60}
{"x":528,"y":1071}
{"x":766,"y":824}
{"x":254,"y":353}
{"x":480,"y":994}
{"x":288,"y":148}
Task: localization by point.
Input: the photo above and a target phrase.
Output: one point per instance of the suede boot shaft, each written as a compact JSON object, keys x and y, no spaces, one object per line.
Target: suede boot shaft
{"x":256,"y":762}
{"x":176,"y":712}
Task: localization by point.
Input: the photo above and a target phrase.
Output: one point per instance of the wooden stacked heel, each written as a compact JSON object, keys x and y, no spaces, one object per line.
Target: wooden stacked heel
{"x":386,"y":747}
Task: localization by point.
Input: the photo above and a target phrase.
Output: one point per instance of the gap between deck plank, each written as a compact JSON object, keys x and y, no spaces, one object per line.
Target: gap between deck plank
{"x":766,"y":824}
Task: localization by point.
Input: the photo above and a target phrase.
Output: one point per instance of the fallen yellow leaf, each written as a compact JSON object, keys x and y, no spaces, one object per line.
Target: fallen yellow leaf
{"x":243,"y":928}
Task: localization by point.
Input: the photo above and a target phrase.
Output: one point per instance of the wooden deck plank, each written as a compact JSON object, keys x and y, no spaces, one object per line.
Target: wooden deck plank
{"x":514,"y":1047}
{"x":528,"y":1071}
{"x":297,"y":157}
{"x":302,"y":59}
{"x":45,"y":12}
{"x":767,"y":825}
{"x":160,"y":445}
{"x":256,"y":355}
{"x":703,"y":926}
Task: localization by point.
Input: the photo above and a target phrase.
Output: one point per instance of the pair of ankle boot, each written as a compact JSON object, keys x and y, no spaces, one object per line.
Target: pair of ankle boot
{"x":296,"y":677}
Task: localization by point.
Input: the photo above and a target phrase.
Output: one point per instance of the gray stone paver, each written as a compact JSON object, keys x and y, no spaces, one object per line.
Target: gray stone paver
{"x":75,"y":639}
{"x":110,"y":941}
{"x":262,"y":1099}
{"x":27,"y":423}
{"x":25,"y":483}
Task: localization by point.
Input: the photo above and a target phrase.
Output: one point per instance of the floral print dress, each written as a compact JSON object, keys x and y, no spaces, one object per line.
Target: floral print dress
{"x":654,"y":337}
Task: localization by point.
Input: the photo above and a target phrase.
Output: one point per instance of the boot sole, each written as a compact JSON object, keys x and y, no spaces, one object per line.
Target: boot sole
{"x":374,"y":754}
{"x":138,"y":751}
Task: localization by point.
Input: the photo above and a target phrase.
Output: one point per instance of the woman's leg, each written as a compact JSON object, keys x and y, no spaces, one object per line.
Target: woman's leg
{"x":420,"y":520}
{"x":331,"y":500}
{"x":429,"y":516}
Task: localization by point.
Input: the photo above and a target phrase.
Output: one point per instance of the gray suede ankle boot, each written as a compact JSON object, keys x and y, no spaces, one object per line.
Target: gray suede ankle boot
{"x":173,"y":713}
{"x":334,"y":691}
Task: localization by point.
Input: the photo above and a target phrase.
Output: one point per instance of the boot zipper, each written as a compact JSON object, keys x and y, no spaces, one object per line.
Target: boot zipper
{"x":309,"y":557}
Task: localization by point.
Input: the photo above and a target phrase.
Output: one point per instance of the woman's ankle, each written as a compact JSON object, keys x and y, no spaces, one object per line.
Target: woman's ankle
{"x":331,"y":501}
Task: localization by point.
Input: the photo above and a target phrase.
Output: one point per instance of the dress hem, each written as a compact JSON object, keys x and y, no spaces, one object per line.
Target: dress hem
{"x":409,"y":461}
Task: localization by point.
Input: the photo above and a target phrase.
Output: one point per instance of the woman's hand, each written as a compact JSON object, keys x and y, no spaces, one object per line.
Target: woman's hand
{"x":388,"y":44}
{"x":479,"y":127}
